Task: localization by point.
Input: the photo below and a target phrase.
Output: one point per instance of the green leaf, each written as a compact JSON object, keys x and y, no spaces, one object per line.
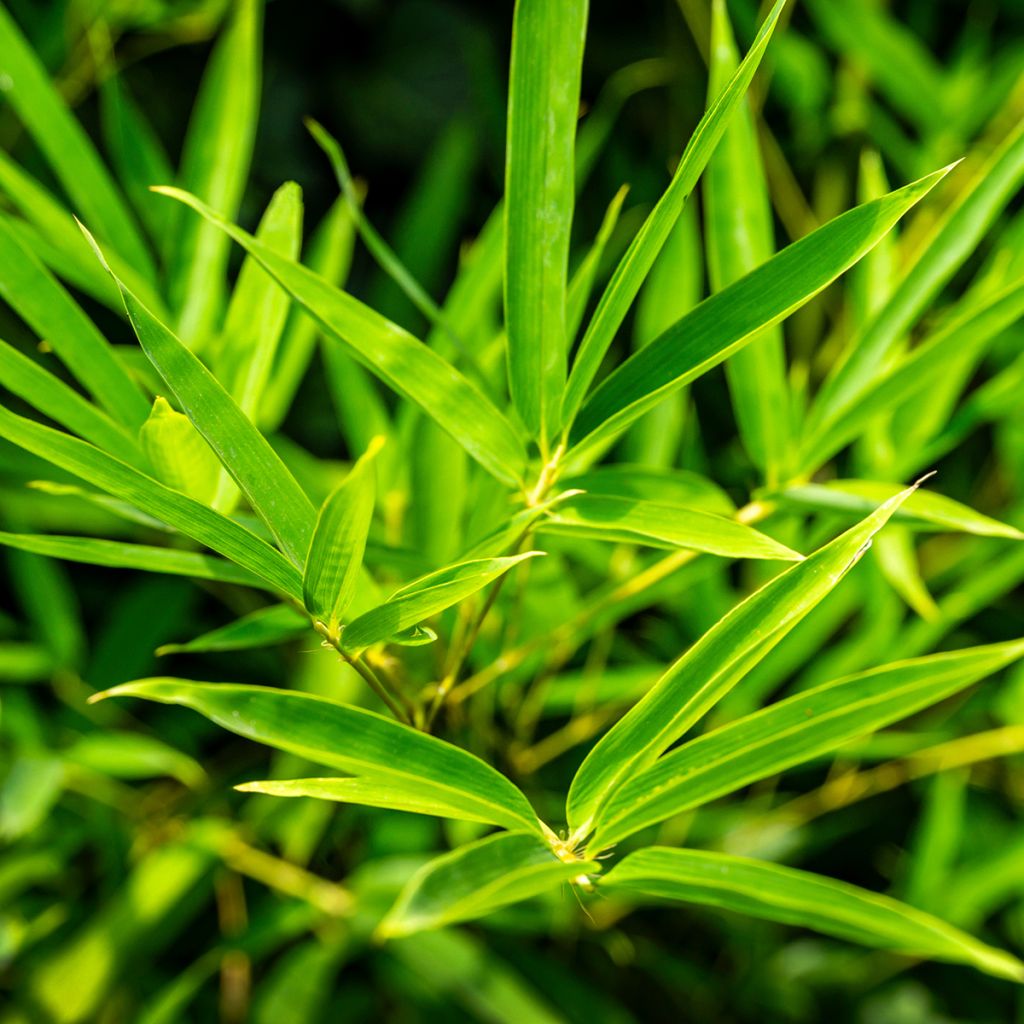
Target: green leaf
{"x":477,"y":879}
{"x":67,"y":147}
{"x":264,"y":627}
{"x":800,"y":898}
{"x":543,"y":104}
{"x":729,"y":319}
{"x":339,"y":540}
{"x":635,"y":265}
{"x":424,"y":597}
{"x":118,"y":555}
{"x":950,"y":243}
{"x":178,"y":454}
{"x":416,"y":766}
{"x":132,"y":755}
{"x":32,"y":292}
{"x":242,"y":449}
{"x":712,"y":666}
{"x":402,"y":362}
{"x":923,"y":509}
{"x":616,"y":518}
{"x":258,"y":308}
{"x":191,"y":518}
{"x":738,"y":226}
{"x":215,"y":166}
{"x":53,"y":398}
{"x":789,"y":733}
{"x":968,"y":331}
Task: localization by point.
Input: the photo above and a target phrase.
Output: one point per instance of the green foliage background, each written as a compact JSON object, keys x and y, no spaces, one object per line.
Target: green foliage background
{"x":137,"y":885}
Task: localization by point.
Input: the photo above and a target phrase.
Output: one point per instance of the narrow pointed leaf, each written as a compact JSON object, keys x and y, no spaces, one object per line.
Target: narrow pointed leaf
{"x":424,"y":597}
{"x":477,"y":879}
{"x":67,"y":147}
{"x":738,"y":223}
{"x":118,"y":555}
{"x":543,"y":103}
{"x":951,"y":242}
{"x":403,"y":363}
{"x":800,"y":898}
{"x":33,"y":293}
{"x":257,"y":469}
{"x":51,"y":396}
{"x":215,"y":166}
{"x":265,"y":627}
{"x":923,"y":509}
{"x":339,"y":540}
{"x":712,"y":666}
{"x":789,"y":733}
{"x":729,"y":319}
{"x":191,"y":518}
{"x":354,"y":740}
{"x":612,"y":517}
{"x":635,"y":265}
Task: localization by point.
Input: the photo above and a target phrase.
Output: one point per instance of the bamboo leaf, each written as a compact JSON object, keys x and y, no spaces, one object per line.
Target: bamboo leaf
{"x":215,"y":166}
{"x":712,"y":666}
{"x":636,"y":264}
{"x":257,"y":469}
{"x":953,"y":239}
{"x":424,"y":597}
{"x":191,"y":518}
{"x":32,"y":292}
{"x":616,"y":518}
{"x":922,"y":509}
{"x":118,"y":555}
{"x":265,"y":627}
{"x":727,"y":320}
{"x":51,"y":396}
{"x":67,"y":147}
{"x":402,"y":362}
{"x":339,"y":540}
{"x":738,"y":225}
{"x":477,"y":879}
{"x":543,"y":102}
{"x":415,"y":766}
{"x":791,"y":732}
{"x":178,"y":454}
{"x":800,"y":898}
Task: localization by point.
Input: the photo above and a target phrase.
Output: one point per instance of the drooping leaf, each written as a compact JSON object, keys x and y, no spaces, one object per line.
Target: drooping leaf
{"x":339,"y":540}
{"x":800,"y":898}
{"x":789,"y":733}
{"x":476,"y":879}
{"x":424,"y":597}
{"x":414,"y":765}
{"x":727,"y":320}
{"x":712,"y":666}
{"x":543,"y":103}
{"x":402,"y":362}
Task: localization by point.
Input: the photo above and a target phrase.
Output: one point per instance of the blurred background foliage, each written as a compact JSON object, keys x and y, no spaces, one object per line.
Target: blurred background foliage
{"x":136,"y":885}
